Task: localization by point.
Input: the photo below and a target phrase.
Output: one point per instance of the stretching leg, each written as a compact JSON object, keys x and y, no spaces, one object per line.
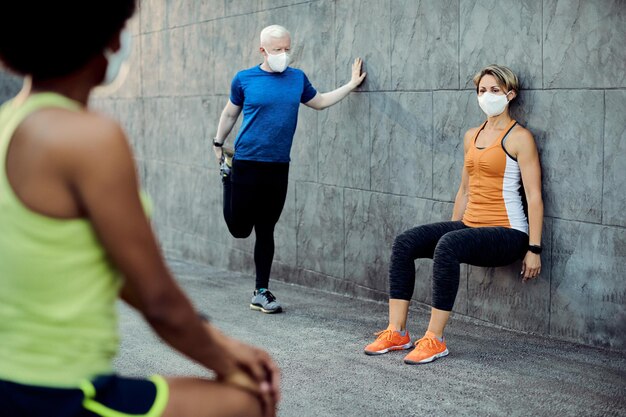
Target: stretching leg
{"x":240,"y":201}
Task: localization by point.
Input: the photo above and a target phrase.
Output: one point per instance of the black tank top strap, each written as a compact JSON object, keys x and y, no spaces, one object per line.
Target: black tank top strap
{"x":504,"y":140}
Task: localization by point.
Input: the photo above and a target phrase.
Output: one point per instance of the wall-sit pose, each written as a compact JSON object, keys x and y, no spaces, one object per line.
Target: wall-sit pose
{"x":73,"y":223}
{"x":488,"y":227}
{"x":255,"y":180}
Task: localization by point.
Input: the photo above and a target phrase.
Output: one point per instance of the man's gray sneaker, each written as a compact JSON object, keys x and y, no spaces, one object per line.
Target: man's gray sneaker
{"x":263,"y":300}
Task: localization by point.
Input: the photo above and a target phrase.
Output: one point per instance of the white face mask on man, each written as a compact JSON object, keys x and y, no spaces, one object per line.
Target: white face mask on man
{"x":493,"y":104}
{"x":278,"y":62}
{"x":117,"y":64}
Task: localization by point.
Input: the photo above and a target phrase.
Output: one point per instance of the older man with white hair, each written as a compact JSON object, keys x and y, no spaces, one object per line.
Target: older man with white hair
{"x":255,"y":178}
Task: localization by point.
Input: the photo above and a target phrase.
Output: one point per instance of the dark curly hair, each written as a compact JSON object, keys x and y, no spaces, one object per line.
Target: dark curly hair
{"x":48,"y":39}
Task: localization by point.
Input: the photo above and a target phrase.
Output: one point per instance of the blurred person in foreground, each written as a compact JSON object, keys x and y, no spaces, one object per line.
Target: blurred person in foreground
{"x":73,"y":222}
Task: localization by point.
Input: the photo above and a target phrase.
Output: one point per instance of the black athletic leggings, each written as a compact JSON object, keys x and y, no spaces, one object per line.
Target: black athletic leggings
{"x":449,"y":244}
{"x":254,"y":196}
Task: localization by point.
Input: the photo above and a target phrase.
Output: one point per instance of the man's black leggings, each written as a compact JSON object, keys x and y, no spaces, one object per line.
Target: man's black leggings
{"x":449,"y":244}
{"x":254,"y":196}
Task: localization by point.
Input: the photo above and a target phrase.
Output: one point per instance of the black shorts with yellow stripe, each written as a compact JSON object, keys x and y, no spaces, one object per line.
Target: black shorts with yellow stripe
{"x":104,"y":396}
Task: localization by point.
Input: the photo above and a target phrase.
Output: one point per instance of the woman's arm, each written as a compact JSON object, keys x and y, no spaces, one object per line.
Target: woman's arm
{"x":460,"y":202}
{"x":324,"y":100}
{"x":102,"y":173}
{"x":525,"y":149}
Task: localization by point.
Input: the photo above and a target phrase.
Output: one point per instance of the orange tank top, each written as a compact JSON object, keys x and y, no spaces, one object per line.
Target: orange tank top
{"x":494,"y":186}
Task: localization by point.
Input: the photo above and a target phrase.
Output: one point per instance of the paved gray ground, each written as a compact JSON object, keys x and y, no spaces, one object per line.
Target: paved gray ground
{"x":318,"y":344}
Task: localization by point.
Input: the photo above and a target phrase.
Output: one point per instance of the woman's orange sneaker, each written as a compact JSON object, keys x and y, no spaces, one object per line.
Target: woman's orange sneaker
{"x":388,"y":340}
{"x":427,"y":349}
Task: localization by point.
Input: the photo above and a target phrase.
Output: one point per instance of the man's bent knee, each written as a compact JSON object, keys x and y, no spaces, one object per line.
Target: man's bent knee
{"x":239,"y":232}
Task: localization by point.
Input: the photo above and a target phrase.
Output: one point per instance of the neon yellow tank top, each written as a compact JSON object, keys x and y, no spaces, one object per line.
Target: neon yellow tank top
{"x":58,"y":319}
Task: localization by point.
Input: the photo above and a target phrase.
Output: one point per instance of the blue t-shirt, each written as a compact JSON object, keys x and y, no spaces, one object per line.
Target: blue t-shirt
{"x":270,"y":103}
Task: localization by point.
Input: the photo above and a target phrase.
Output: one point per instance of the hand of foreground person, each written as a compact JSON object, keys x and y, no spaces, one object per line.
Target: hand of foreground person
{"x":252,"y":370}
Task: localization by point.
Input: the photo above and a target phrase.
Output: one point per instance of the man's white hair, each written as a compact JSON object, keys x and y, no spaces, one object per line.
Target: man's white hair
{"x":273,"y":31}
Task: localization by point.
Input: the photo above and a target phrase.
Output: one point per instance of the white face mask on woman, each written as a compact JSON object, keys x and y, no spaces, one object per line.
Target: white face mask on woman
{"x":278,"y":62}
{"x":493,"y":104}
{"x":117,"y":64}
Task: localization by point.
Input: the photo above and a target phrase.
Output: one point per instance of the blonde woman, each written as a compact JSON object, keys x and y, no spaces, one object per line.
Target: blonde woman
{"x":488,"y":228}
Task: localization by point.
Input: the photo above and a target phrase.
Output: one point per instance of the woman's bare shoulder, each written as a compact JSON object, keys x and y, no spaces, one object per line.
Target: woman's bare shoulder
{"x":83,"y":132}
{"x":79,"y":141}
{"x":520,"y":140}
{"x":521,"y":135}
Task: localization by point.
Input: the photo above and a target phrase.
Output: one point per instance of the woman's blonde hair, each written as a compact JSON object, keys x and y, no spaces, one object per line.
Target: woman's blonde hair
{"x":504,"y":77}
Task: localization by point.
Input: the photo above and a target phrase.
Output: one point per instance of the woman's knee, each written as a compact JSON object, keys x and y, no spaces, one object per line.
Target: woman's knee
{"x":447,"y":246}
{"x":244,"y":404}
{"x":403,"y":244}
{"x":203,"y":398}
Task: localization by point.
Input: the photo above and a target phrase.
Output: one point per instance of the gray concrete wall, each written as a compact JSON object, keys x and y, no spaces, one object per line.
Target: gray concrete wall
{"x":389,"y":156}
